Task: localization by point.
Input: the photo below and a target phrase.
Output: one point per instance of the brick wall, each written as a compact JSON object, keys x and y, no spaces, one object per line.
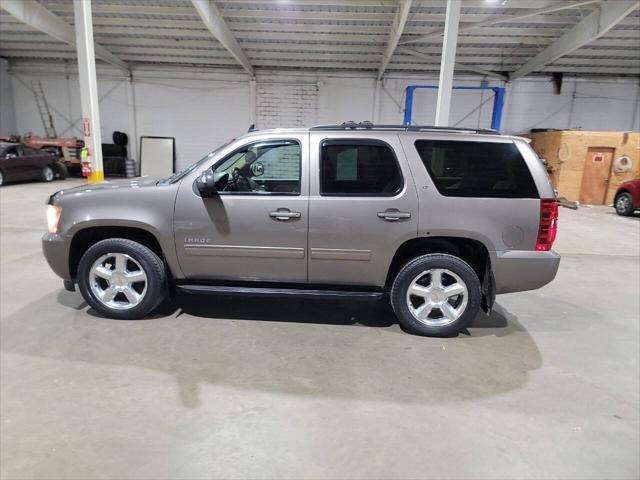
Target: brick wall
{"x":282,"y":163}
{"x":282,"y":106}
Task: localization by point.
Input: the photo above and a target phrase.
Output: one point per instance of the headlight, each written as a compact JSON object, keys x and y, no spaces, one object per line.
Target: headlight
{"x":53,"y":216}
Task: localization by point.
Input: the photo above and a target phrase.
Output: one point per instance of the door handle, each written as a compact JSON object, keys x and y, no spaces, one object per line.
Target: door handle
{"x":393,"y":215}
{"x":284,"y":214}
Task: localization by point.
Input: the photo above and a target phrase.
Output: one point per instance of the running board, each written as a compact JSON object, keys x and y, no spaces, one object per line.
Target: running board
{"x":280,"y":292}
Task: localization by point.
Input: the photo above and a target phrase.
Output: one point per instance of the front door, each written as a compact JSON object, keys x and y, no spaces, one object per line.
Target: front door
{"x":255,"y":227}
{"x":595,"y":176}
{"x":363,"y":205}
{"x":13,"y":165}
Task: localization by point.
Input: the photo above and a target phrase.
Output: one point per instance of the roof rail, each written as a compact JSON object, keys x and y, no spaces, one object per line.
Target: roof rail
{"x":406,"y":128}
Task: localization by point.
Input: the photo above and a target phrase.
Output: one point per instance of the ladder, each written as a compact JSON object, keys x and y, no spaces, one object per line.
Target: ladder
{"x":43,"y":109}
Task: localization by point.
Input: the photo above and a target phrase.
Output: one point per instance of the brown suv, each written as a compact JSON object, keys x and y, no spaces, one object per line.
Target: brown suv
{"x":441,"y":220}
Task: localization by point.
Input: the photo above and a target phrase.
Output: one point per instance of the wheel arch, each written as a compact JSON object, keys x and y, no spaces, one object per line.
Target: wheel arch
{"x":472,"y":251}
{"x":621,"y":191}
{"x":84,"y":238}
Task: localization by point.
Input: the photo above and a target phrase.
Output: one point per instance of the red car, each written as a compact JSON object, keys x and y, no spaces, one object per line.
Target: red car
{"x":628,"y":197}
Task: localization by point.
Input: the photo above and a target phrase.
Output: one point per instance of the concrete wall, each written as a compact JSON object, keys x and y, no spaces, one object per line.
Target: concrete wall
{"x":201,"y":109}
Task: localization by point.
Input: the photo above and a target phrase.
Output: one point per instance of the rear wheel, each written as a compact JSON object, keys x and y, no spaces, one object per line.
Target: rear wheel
{"x":61,"y":171}
{"x":47,"y":174}
{"x":122,"y":279}
{"x":436,"y":295}
{"x":624,"y":204}
{"x":1,"y":178}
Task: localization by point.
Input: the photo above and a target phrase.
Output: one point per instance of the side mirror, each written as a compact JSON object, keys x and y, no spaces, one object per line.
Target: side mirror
{"x":206,"y":183}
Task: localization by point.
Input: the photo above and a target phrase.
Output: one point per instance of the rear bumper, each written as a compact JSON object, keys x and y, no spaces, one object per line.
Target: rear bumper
{"x":56,"y":252}
{"x":520,"y":270}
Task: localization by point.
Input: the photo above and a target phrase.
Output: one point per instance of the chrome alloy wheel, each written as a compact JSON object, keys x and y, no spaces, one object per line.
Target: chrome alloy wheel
{"x":622,"y":203}
{"x":118,"y":281}
{"x":48,"y":174}
{"x":437,"y":297}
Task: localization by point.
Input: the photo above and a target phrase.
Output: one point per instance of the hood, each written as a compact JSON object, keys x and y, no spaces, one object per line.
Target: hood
{"x":128,"y":184}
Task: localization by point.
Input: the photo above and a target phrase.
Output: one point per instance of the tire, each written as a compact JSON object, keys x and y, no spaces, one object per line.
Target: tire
{"x":456,"y":276}
{"x":104,"y":260}
{"x":48,"y":175}
{"x":624,"y":204}
{"x":1,"y":178}
{"x":61,"y":171}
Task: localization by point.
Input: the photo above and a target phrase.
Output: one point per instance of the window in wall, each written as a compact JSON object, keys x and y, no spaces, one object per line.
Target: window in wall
{"x":359,"y":167}
{"x":477,"y":169}
{"x":266,"y":167}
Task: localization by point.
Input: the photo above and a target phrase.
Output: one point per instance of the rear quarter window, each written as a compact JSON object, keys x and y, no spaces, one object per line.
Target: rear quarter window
{"x":477,"y":169}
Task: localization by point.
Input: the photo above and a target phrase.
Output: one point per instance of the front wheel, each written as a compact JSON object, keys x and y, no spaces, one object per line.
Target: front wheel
{"x":122,"y":279}
{"x":436,"y":295}
{"x":48,"y":174}
{"x":624,"y":204}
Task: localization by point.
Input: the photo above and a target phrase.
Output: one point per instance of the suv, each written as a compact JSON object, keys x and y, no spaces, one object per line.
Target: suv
{"x":441,"y":220}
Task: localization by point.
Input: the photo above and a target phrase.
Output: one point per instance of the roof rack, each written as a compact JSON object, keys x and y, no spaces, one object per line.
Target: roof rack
{"x":406,"y":128}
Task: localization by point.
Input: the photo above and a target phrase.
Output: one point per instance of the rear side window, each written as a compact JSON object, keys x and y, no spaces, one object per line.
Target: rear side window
{"x":358,"y":168}
{"x":477,"y":169}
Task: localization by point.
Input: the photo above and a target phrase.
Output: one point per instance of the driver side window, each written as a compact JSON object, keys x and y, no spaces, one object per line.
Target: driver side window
{"x":271,"y":167}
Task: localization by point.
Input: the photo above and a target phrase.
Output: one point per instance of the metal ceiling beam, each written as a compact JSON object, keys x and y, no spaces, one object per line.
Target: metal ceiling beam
{"x":502,"y":19}
{"x":399,"y":22}
{"x":213,"y":20}
{"x":458,"y":66}
{"x":590,"y":28}
{"x":37,"y":16}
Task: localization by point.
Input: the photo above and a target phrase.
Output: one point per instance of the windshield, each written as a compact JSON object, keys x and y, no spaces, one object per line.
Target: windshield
{"x":176,"y":177}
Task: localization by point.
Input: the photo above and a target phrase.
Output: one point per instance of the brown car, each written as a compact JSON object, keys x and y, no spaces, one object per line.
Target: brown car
{"x":440,"y":220}
{"x":19,"y":162}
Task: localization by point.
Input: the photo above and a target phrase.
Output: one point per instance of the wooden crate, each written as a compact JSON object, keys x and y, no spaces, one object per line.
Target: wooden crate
{"x":567,"y":151}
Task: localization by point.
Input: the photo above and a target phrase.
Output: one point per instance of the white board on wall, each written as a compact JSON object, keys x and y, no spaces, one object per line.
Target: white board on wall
{"x":157,"y":156}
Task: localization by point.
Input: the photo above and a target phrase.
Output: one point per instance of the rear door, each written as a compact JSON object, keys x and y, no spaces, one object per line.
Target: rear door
{"x":362,"y":207}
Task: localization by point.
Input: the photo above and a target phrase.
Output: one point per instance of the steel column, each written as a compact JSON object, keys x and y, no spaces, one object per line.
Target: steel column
{"x":88,"y":87}
{"x":253,"y":102}
{"x":133,"y":122}
{"x":447,"y":63}
{"x":375,"y":114}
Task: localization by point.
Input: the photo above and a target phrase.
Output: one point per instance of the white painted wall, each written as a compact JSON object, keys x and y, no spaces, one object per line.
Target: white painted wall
{"x":201,"y":109}
{"x":7,"y":107}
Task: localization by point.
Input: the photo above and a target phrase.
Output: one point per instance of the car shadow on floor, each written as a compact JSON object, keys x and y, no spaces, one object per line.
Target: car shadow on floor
{"x":309,"y":348}
{"x":634,"y":216}
{"x":378,"y":314}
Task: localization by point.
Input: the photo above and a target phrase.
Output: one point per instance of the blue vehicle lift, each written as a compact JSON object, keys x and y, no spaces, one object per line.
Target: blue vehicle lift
{"x":498,"y":102}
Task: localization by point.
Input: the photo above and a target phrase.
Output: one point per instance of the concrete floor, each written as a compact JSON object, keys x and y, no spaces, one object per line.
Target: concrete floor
{"x":547,"y":387}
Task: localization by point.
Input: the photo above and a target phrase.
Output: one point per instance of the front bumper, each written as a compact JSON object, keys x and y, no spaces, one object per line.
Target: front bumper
{"x":520,"y":270}
{"x":56,"y":251}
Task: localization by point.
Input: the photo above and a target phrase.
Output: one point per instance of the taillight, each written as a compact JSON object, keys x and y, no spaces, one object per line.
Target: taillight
{"x":548,"y":224}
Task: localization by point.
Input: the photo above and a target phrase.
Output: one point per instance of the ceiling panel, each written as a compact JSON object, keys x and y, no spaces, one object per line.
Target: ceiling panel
{"x":332,"y":34}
